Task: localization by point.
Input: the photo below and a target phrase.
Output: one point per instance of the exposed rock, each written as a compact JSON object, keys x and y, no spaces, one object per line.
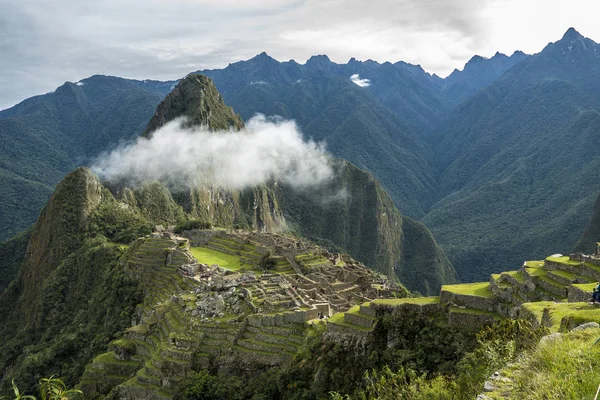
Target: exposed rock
{"x":589,"y":325}
{"x":550,"y":338}
{"x":488,"y":386}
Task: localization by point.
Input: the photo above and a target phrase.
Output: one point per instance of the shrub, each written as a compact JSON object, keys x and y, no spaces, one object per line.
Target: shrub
{"x":192,"y":224}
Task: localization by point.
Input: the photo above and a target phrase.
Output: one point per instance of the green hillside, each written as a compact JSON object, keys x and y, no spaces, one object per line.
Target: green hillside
{"x":45,"y":137}
{"x":518,"y":162}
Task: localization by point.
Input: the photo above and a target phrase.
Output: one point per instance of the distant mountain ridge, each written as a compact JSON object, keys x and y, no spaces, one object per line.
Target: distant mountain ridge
{"x":44,"y":137}
{"x":468,"y":155}
{"x":519,"y":161}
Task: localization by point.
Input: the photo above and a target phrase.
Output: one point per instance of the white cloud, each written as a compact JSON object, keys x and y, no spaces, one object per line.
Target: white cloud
{"x":360,"y":82}
{"x":268,"y":149}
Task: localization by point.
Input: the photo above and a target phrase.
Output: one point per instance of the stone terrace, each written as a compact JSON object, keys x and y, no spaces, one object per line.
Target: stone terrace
{"x":242,"y":316}
{"x":553,"y":292}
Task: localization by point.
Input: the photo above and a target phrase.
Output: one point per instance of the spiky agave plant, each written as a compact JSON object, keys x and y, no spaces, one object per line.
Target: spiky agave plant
{"x":18,"y":395}
{"x":54,"y":389}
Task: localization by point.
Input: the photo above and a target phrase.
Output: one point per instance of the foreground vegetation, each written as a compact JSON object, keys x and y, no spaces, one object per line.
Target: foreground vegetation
{"x":430,"y":361}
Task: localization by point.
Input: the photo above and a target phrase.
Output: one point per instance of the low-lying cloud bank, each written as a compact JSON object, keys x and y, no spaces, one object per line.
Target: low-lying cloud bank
{"x":267,"y":149}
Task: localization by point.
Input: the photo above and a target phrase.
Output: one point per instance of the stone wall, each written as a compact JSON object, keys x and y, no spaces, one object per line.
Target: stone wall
{"x":358,"y":320}
{"x":200,"y":237}
{"x":474,"y":302}
{"x":575,"y":294}
{"x":474,"y":321}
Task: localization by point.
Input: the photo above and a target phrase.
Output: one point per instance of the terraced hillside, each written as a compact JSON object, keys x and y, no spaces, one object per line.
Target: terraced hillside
{"x":552,"y":293}
{"x":232,"y":300}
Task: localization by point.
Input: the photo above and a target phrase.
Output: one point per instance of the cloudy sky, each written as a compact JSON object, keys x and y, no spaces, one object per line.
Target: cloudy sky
{"x":44,"y":43}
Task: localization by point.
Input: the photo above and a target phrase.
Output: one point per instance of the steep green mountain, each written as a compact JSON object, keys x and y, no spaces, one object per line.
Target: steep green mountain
{"x":201,"y":103}
{"x":44,"y":137}
{"x":355,"y":125}
{"x":351,"y":212}
{"x":71,"y":294}
{"x":519,"y":161}
{"x":379,"y":128}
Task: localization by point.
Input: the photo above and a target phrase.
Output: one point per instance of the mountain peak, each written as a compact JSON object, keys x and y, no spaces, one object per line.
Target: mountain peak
{"x":196,"y":98}
{"x":318,"y":59}
{"x":571,"y":34}
{"x":263,"y":56}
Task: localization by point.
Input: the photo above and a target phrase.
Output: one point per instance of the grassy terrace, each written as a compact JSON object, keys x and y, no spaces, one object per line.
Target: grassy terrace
{"x":480,"y":289}
{"x":356,"y":311}
{"x":535,"y":271}
{"x":580,"y":312}
{"x":518,"y":275}
{"x":210,"y":257}
{"x":563,"y":260}
{"x":543,"y":275}
{"x":223,"y":260}
{"x":338,"y":319}
{"x":109,"y":358}
{"x":534,"y":264}
{"x":586,"y":287}
{"x":397,"y":302}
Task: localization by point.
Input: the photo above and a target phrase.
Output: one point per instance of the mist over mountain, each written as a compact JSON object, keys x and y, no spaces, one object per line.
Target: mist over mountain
{"x":301,"y":231}
{"x":474,"y":156}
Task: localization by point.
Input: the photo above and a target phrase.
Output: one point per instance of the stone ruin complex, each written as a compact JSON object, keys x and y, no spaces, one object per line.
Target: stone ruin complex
{"x":200,"y":315}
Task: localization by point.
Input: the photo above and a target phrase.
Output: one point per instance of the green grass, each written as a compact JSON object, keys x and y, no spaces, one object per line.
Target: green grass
{"x":141,"y":329}
{"x":568,"y":368}
{"x":534,"y":264}
{"x":565,"y":274}
{"x":563,"y":260}
{"x":480,"y":289}
{"x":356,"y":311}
{"x":544,"y":277}
{"x":580,"y":312}
{"x":588,"y":287}
{"x":210,"y":257}
{"x":338,"y":319}
{"x":536,"y":271}
{"x":119,"y":245}
{"x":416,"y":300}
{"x":518,"y":275}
